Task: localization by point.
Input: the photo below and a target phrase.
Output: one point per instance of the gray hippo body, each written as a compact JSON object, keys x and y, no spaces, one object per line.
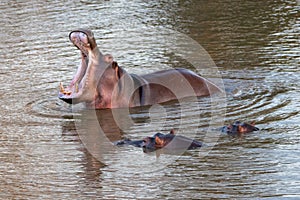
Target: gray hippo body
{"x":101,"y":83}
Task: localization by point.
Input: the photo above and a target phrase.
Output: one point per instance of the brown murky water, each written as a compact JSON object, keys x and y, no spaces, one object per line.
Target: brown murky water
{"x":43,"y":152}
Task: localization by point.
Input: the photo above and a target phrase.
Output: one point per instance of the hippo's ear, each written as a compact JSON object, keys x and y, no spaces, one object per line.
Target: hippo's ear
{"x":114,"y":65}
{"x":118,"y":70}
{"x":159,"y":142}
{"x":172,"y":131}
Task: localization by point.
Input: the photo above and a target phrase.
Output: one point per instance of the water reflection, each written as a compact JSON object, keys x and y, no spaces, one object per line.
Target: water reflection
{"x":255,"y":45}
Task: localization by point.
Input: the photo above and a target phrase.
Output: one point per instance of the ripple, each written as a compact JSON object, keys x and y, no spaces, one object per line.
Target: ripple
{"x":50,"y":108}
{"x":259,"y":103}
{"x":39,"y":147}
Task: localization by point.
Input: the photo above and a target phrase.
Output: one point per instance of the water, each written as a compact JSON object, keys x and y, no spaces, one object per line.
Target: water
{"x":43,"y":149}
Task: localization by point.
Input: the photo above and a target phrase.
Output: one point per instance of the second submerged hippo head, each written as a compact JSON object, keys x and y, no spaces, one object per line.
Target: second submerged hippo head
{"x":169,"y":142}
{"x":239,"y":128}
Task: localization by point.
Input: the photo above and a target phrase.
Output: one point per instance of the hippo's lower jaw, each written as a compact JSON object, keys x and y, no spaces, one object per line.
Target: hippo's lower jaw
{"x":71,"y":95}
{"x":69,"y":100}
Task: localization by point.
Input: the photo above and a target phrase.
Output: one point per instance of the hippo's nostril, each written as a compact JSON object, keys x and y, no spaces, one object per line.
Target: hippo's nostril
{"x":83,"y":37}
{"x":79,"y":37}
{"x":73,"y":36}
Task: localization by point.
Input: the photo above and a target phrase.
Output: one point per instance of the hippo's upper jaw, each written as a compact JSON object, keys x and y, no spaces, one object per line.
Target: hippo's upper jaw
{"x":73,"y":92}
{"x":82,"y":86}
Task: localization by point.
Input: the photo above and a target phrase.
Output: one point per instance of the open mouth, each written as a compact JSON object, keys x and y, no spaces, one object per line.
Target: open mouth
{"x":80,"y":39}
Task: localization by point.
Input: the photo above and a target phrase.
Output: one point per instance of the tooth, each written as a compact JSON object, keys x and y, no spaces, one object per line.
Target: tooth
{"x":76,"y":87}
{"x":62,"y":89}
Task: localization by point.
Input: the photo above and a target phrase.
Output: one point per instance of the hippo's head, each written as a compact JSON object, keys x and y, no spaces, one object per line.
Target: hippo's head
{"x":157,"y":141}
{"x":95,"y":69}
{"x":239,"y":127}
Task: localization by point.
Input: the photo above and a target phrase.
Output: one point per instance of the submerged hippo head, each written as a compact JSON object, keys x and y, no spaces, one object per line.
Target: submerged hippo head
{"x":170,"y":142}
{"x":157,"y":141}
{"x":239,"y":128}
{"x":95,"y":69}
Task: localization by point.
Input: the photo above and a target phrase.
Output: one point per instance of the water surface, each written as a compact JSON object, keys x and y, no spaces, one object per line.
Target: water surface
{"x":256,"y":48}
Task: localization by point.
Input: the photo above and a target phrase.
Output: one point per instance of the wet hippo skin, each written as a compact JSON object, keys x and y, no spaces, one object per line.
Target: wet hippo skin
{"x":101,"y":83}
{"x":169,"y":141}
{"x":239,"y":128}
{"x":159,"y":140}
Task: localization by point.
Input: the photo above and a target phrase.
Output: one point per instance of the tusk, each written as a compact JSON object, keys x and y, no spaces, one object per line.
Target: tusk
{"x":61,"y":88}
{"x":76,"y":87}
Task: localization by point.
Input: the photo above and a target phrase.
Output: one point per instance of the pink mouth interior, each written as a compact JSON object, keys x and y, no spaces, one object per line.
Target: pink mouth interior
{"x":80,"y":40}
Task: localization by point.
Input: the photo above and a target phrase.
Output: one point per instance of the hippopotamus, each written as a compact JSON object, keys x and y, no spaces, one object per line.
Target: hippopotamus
{"x":169,"y":142}
{"x":101,"y":83}
{"x":239,"y":128}
{"x":172,"y":142}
